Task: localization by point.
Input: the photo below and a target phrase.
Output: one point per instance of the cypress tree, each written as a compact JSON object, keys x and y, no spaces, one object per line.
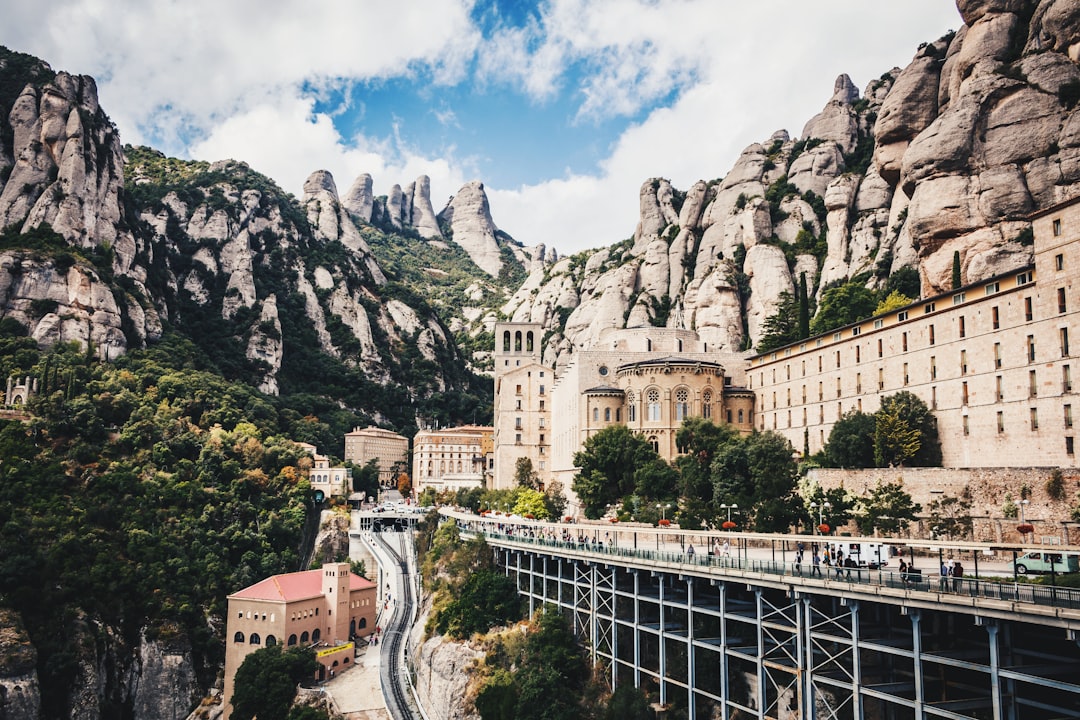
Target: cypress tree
{"x":956,"y":270}
{"x":804,"y":308}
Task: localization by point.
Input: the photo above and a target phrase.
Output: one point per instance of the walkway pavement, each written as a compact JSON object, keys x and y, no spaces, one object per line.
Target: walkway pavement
{"x":357,"y":692}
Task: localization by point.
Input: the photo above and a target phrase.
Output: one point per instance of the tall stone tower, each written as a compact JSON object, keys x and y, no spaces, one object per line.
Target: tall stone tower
{"x":522,"y":402}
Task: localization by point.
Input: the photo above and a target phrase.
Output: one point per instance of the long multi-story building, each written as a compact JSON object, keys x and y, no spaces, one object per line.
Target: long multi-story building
{"x":452,"y":458}
{"x":387,"y":448}
{"x":324,"y":609}
{"x":993,"y":360}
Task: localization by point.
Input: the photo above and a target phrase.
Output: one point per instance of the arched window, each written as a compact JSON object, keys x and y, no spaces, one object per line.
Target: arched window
{"x":607,"y":414}
{"x":682,"y":404}
{"x":652,"y":405}
{"x":459,"y":466}
{"x":304,"y":637}
{"x":238,"y":637}
{"x":631,"y":406}
{"x":430,"y":467}
{"x":596,"y":414}
{"x":442,"y":467}
{"x":506,"y":341}
{"x":529,"y":341}
{"x":315,"y":635}
{"x":655,"y":444}
{"x":271,"y":641}
{"x":255,"y":639}
{"x":648,"y":345}
{"x":706,"y":404}
{"x":292,"y":639}
{"x":363,"y":623}
{"x":618,"y":414}
{"x":680,"y":345}
{"x":740,"y":416}
{"x":517,"y":341}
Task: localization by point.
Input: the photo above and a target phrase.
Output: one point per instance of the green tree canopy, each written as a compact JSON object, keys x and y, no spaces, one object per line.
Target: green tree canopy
{"x":893,"y":301}
{"x":524,"y":474}
{"x":887,"y":508}
{"x":608,"y":461}
{"x":782,"y":327}
{"x":906,"y":433}
{"x":265,"y":683}
{"x":851,"y":441}
{"x":841,"y":305}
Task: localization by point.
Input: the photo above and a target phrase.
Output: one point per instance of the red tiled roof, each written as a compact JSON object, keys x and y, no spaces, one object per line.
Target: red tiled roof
{"x":291,"y":587}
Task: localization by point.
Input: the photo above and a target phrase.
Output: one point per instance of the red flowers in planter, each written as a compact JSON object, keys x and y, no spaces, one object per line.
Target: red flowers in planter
{"x":663,"y":522}
{"x":824,"y":528}
{"x":530,"y":516}
{"x":614,"y":519}
{"x":567,"y":519}
{"x":728,"y":525}
{"x":1025,"y":528}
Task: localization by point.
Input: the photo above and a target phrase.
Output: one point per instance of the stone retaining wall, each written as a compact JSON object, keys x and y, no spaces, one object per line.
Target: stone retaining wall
{"x":988,"y":488}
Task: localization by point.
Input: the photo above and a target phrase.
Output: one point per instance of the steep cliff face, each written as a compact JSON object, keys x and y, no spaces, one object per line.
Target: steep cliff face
{"x":20,"y":695}
{"x":949,"y":155}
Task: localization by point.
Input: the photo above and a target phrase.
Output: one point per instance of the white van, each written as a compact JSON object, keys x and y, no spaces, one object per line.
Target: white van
{"x":865,"y":554}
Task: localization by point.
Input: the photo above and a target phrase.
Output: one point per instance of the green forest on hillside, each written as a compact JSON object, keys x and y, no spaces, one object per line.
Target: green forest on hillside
{"x":140,"y":493}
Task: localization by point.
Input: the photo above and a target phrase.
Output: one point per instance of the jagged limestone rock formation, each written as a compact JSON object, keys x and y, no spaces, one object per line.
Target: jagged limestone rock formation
{"x":951,"y":153}
{"x":58,"y":176}
{"x":469,"y":217}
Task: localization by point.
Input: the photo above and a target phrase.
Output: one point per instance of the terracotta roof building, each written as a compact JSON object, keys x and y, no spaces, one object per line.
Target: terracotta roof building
{"x":324,"y":609}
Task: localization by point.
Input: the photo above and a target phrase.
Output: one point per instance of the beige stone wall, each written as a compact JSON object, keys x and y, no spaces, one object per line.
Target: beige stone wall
{"x":988,"y":488}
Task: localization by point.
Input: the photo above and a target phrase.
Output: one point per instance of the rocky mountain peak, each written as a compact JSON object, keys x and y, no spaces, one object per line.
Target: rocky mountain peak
{"x":469,"y":216}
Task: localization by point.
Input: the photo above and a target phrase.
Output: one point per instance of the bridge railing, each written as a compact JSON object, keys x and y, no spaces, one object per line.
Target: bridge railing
{"x":914,"y":580}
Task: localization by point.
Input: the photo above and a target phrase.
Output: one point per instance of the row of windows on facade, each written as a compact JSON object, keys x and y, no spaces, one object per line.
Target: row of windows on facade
{"x":1029,"y":355}
{"x":1066,"y":379}
{"x":1067,"y":413}
{"x":442,"y":466}
{"x":962,"y":332}
{"x":304,"y":638}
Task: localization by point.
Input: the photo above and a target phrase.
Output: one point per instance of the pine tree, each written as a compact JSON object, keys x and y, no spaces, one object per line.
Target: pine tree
{"x":804,"y":309}
{"x":956,"y":270}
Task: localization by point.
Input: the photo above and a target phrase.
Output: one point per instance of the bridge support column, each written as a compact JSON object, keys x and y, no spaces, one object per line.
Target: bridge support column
{"x":856,"y":662}
{"x":532,"y":584}
{"x":637,"y":627}
{"x":594,"y":622}
{"x":995,"y":666}
{"x":691,"y":675}
{"x":916,"y":650}
{"x":725,"y":710}
{"x":663,"y":645}
{"x":762,"y":679}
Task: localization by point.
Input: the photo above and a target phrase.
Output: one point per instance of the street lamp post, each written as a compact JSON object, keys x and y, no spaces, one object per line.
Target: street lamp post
{"x":729,"y":508}
{"x":1023,"y":506}
{"x":662,"y":507}
{"x":820,"y":514}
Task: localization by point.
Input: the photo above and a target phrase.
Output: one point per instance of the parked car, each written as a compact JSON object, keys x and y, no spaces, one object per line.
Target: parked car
{"x":1041,"y":561}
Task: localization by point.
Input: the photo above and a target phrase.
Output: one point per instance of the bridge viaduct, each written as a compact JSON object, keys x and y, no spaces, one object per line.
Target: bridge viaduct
{"x":744,"y":637}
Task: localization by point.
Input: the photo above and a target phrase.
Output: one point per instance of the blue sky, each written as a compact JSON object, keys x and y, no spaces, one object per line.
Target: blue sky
{"x":563,"y":108}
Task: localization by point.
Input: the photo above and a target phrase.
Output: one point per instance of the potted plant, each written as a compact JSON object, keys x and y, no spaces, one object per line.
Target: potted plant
{"x":1025,"y":528}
